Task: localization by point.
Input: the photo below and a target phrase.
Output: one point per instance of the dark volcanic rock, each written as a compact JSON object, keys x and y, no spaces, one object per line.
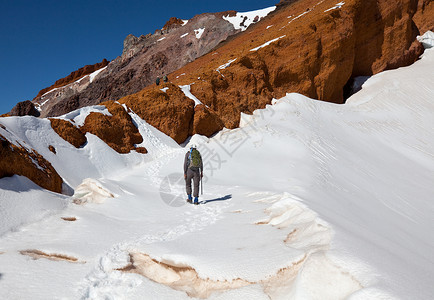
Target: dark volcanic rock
{"x":24,"y":108}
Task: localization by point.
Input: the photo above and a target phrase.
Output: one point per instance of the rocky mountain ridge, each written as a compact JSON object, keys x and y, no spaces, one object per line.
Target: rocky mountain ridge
{"x":143,"y":59}
{"x":310,"y":47}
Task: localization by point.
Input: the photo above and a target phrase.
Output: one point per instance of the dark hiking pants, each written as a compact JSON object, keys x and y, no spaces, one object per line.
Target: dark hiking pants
{"x":195,"y":175}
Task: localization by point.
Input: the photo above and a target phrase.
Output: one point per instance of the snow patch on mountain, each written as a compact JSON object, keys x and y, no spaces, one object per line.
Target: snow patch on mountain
{"x":199,"y":32}
{"x":242,"y":20}
{"x":78,"y":117}
{"x":186,"y":89}
{"x":337,"y":6}
{"x":268,"y":43}
{"x":427,"y":39}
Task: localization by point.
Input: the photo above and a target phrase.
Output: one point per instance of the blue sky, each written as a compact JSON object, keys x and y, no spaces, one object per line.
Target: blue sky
{"x":42,"y":41}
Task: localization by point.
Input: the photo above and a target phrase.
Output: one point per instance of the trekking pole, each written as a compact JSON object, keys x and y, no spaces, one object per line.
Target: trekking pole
{"x":201,"y":185}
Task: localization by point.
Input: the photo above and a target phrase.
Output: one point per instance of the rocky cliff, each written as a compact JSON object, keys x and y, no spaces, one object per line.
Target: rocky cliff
{"x":17,"y":159}
{"x":314,"y":48}
{"x":310,"y":47}
{"x":143,"y":59}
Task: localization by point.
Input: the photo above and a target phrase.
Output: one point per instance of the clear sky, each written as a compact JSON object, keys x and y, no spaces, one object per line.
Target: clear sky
{"x":42,"y":41}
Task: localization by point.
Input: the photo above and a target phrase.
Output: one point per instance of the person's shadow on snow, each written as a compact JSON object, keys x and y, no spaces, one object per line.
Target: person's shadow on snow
{"x":227,"y":197}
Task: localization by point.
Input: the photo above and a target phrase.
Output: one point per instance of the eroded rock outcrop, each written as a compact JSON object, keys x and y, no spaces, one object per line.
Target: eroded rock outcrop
{"x":424,"y":17}
{"x":116,"y":130}
{"x":69,"y":132}
{"x":310,"y":47}
{"x":170,"y":111}
{"x":20,"y":160}
{"x":24,"y":108}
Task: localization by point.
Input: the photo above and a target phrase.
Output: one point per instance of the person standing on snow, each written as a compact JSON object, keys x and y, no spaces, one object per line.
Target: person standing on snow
{"x":193,"y":169}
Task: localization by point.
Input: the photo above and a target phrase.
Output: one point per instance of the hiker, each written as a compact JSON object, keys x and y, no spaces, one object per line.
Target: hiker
{"x":165,"y":79}
{"x":157,"y":81}
{"x":193,"y":169}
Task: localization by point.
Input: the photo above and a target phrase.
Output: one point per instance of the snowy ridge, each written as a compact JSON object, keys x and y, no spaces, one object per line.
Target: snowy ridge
{"x":91,"y":78}
{"x":78,"y":116}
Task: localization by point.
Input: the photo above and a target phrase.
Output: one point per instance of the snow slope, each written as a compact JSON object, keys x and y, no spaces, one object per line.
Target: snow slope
{"x":306,"y":200}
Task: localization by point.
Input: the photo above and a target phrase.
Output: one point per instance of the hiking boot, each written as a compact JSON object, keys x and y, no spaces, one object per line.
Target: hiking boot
{"x":189,"y":199}
{"x":196,"y":200}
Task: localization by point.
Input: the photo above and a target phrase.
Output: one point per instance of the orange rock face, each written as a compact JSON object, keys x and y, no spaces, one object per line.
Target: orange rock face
{"x":424,"y":17}
{"x":20,"y":161}
{"x":205,"y":121}
{"x":67,"y":131}
{"x":310,"y":47}
{"x":117,"y":131}
{"x":171,"y":112}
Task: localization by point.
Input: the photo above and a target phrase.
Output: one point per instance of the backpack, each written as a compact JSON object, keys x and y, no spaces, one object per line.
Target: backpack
{"x":195,"y":159}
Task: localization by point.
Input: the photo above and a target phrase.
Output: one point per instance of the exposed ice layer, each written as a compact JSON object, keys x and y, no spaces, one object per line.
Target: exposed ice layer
{"x":242,"y":20}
